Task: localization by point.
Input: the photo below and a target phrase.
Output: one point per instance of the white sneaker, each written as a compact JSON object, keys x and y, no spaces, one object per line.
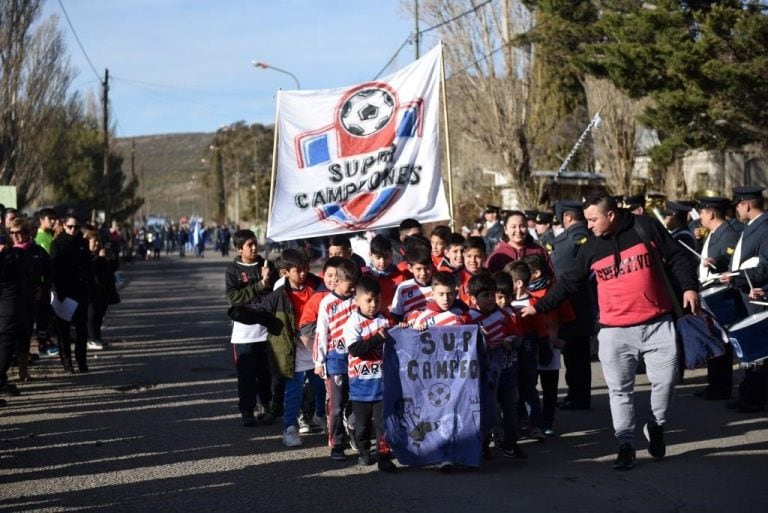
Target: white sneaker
{"x":291,"y":437}
{"x":95,"y":346}
{"x":304,"y":426}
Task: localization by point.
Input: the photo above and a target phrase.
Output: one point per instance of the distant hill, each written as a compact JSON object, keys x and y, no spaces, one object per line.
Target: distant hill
{"x":172,"y":172}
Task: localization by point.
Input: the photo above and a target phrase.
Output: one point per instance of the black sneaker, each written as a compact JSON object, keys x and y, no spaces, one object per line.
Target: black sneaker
{"x":249,"y":420}
{"x":655,"y":436}
{"x":515,"y":451}
{"x":364,"y":459}
{"x":446,"y":467}
{"x":625,"y":460}
{"x":385,"y":464}
{"x":487,"y":451}
{"x":337,"y":453}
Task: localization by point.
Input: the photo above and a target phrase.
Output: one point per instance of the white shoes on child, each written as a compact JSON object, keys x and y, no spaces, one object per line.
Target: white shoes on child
{"x":291,"y":437}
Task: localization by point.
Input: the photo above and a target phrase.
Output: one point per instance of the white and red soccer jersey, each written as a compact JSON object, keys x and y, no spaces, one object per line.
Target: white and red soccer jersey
{"x":497,"y":325}
{"x":409,"y":296}
{"x":365,"y":377}
{"x":534,"y":325}
{"x":329,"y":349}
{"x":432,"y":315}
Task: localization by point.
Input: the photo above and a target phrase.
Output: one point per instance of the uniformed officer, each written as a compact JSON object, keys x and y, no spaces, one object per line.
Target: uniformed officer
{"x":751,"y":256}
{"x":492,"y":229}
{"x":716,"y":252}
{"x":676,"y":221}
{"x":530,"y":216}
{"x":635,"y":203}
{"x":576,"y":354}
{"x":544,"y":230}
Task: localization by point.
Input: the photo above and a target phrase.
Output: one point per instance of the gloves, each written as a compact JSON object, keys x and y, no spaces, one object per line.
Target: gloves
{"x":545,"y":352}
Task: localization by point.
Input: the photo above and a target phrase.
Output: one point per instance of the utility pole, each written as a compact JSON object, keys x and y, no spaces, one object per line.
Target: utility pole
{"x":416,"y":31}
{"x":107,"y":194}
{"x":133,"y":174}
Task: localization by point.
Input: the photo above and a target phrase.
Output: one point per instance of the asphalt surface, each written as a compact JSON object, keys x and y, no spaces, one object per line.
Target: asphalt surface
{"x":155,"y":427}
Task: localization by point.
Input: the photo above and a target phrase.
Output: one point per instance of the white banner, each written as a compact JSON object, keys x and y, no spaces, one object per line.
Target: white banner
{"x":360,"y":157}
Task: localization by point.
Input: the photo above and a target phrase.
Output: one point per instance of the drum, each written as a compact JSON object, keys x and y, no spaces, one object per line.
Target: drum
{"x":725,"y":303}
{"x":748,"y":337}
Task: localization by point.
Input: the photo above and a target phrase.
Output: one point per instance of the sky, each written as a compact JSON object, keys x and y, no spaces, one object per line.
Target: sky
{"x":185,"y":65}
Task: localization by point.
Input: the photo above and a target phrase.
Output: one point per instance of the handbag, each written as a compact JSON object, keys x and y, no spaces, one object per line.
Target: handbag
{"x":700,"y":337}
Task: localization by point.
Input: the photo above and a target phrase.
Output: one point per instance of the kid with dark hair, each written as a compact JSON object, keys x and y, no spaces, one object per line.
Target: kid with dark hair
{"x":535,"y":350}
{"x":474,"y":261}
{"x":330,"y":353}
{"x":246,"y":280}
{"x":438,"y":240}
{"x":364,"y":335}
{"x":453,"y":254}
{"x":501,"y":329}
{"x":443,"y":309}
{"x":413,"y":294}
{"x":382,"y":268}
{"x":549,"y":374}
{"x":339,"y":245}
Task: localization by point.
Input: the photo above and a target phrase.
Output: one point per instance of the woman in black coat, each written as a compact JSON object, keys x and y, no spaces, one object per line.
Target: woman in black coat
{"x":13,"y":292}
{"x":73,"y":279}
{"x":104,"y":294}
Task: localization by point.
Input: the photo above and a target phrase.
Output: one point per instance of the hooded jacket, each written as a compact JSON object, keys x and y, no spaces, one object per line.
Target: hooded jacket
{"x":629,"y":289}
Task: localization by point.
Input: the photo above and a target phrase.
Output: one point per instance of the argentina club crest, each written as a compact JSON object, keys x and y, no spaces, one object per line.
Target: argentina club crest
{"x":360,"y":157}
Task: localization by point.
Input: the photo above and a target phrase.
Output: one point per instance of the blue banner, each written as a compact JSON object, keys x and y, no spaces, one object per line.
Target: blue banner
{"x":435,"y":404}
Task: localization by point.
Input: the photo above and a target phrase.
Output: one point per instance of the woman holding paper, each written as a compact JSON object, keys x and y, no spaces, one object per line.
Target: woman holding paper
{"x":72,"y":286}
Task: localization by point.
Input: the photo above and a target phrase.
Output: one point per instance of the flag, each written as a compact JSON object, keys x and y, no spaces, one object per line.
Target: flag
{"x":437,"y":403}
{"x":360,"y":157}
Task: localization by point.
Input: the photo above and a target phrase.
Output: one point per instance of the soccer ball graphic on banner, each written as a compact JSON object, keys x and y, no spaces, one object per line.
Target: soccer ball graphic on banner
{"x":439,"y":394}
{"x":367,"y":111}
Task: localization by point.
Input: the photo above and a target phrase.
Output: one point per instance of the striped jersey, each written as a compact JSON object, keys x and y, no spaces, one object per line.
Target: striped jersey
{"x":432,"y":315}
{"x":329,"y":348}
{"x":366,"y":381}
{"x":534,"y":325}
{"x":409,"y":296}
{"x":497,"y":325}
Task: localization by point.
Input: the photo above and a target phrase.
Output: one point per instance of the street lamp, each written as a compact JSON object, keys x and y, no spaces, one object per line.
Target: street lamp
{"x":264,"y":65}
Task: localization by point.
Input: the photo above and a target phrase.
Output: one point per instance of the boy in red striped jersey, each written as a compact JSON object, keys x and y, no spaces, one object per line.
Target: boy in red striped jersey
{"x":536,"y":349}
{"x":382,"y":268}
{"x":501,"y":329}
{"x":413,"y":294}
{"x":474,"y":261}
{"x":330,"y":352}
{"x":443,"y":309}
{"x":365,"y":334}
{"x":453,"y":254}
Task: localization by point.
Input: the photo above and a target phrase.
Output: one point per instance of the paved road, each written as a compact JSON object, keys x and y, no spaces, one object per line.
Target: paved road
{"x":155,"y":427}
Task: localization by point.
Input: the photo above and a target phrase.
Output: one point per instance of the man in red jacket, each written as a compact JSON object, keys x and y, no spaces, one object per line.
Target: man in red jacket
{"x":635,"y":314}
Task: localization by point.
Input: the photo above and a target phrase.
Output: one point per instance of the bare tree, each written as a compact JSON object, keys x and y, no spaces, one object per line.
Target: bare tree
{"x":616,"y":139}
{"x":34,"y":78}
{"x":488,"y":83}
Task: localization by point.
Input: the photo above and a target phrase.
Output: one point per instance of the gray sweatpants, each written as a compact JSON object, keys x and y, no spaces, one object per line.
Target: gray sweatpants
{"x":620,"y":350}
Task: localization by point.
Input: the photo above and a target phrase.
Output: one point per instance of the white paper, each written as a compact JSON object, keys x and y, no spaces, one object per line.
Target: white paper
{"x":63,"y":309}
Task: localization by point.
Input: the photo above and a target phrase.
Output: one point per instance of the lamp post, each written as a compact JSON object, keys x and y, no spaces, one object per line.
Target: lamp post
{"x":264,"y":65}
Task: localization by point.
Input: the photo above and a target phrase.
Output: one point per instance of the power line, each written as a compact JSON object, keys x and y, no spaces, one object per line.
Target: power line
{"x":390,"y":61}
{"x":446,"y":22}
{"x":429,"y":29}
{"x":80,"y":44}
{"x":476,"y":62}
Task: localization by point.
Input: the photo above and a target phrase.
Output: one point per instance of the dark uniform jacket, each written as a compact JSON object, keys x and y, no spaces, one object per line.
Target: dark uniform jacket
{"x":565,"y":248}
{"x":754,"y":243}
{"x":722,"y":242}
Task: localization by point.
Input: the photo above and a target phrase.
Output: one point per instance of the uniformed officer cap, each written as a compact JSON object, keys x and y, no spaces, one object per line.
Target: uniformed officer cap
{"x":747,"y":192}
{"x":675,"y":207}
{"x":632,"y":202}
{"x":564,"y":206}
{"x":713,"y":202}
{"x":656,"y":195}
{"x":531,"y":214}
{"x":688,"y":203}
{"x":491,"y":209}
{"x":544,"y":218}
